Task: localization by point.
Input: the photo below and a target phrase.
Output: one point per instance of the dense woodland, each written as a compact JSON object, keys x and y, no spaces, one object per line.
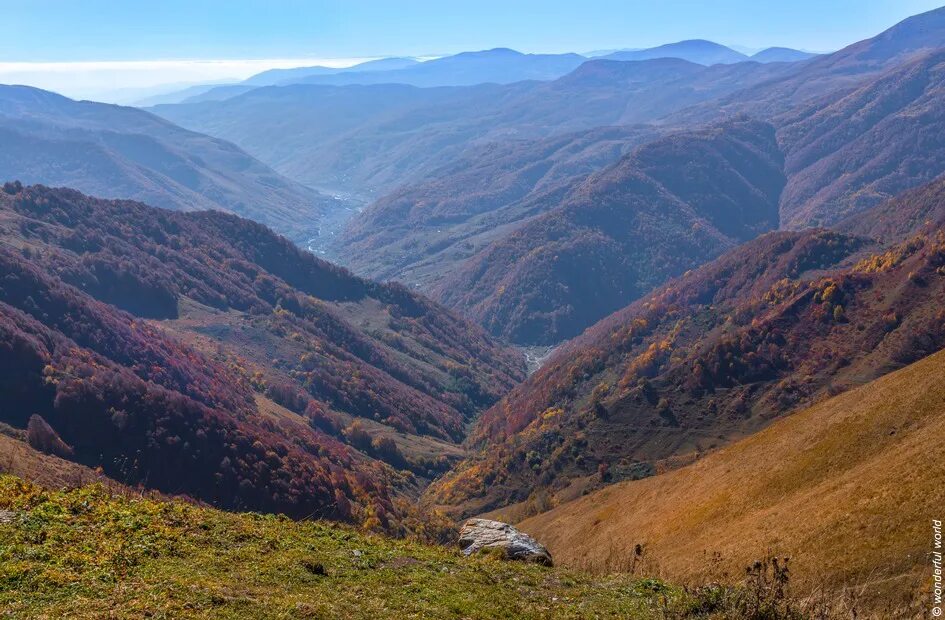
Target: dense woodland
{"x":83,"y":277}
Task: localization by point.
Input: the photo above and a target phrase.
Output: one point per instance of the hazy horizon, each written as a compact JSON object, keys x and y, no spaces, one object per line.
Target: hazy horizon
{"x":101,"y":51}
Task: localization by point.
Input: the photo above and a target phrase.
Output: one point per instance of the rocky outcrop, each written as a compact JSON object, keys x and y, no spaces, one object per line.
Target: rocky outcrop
{"x":479,"y":534}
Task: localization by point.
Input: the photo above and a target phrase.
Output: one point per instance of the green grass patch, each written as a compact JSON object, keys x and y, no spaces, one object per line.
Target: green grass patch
{"x":85,"y":553}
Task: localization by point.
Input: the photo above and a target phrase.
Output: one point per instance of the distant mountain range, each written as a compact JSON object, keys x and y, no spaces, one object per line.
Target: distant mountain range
{"x":704,"y":53}
{"x":371,"y":139}
{"x":272,"y":77}
{"x":498,"y":66}
{"x":781,"y":54}
{"x":119,"y":152}
{"x":287,"y":76}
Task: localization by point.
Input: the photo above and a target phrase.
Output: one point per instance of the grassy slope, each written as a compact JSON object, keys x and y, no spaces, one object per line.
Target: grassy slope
{"x":847,"y":487}
{"x":84,"y":553}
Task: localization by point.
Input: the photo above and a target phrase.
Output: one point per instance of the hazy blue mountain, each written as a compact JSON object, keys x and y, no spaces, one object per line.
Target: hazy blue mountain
{"x":696,"y":50}
{"x":781,"y":54}
{"x":219,"y":92}
{"x":498,"y":66}
{"x":173,"y":95}
{"x":846,"y":69}
{"x":216,"y":93}
{"x":121,"y":152}
{"x":286,"y":76}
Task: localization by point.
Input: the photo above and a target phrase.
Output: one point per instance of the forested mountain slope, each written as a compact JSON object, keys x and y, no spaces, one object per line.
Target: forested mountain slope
{"x":199,"y":353}
{"x":597,"y":244}
{"x":421,"y":232}
{"x":760,"y":332}
{"x":847,"y":153}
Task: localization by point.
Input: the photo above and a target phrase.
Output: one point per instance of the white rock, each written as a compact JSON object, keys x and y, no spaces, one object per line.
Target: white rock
{"x":478,"y":534}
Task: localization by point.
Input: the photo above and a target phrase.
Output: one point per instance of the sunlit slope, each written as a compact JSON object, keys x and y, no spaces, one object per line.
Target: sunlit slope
{"x":846,"y":488}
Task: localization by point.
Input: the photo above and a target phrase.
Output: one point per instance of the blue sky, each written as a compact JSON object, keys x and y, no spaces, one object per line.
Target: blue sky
{"x":283,"y":31}
{"x":58,"y":30}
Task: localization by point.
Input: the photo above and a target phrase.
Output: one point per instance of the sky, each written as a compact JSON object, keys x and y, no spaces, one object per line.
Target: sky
{"x":82,"y":47}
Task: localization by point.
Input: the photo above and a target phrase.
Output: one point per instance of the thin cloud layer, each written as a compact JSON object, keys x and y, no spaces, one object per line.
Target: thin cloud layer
{"x":123,"y":81}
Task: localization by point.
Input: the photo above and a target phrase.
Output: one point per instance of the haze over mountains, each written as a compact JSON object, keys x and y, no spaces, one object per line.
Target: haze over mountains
{"x":499,"y":65}
{"x":371,"y":139}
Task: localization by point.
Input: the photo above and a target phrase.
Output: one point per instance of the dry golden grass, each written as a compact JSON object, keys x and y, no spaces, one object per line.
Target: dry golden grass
{"x":847,"y":489}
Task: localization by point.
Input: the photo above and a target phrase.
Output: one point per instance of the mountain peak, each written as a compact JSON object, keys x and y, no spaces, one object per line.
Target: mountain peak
{"x":700,"y":51}
{"x":781,"y":54}
{"x":496,"y":52}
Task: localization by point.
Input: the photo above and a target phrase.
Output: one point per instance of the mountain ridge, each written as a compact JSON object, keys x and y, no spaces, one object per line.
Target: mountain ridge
{"x":619,"y":218}
{"x":693,"y":50}
{"x":123,"y":152}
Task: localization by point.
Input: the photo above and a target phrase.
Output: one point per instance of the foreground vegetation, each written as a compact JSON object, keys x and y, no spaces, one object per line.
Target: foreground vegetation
{"x":86,"y":553}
